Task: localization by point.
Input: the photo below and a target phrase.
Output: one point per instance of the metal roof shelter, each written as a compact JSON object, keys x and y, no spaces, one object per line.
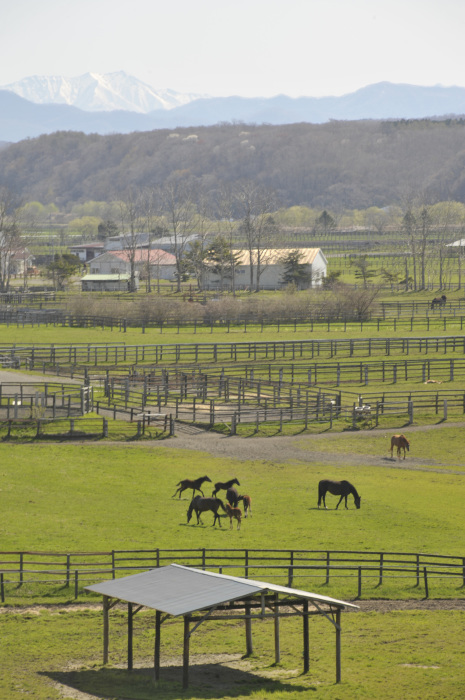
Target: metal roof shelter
{"x":198,"y":595}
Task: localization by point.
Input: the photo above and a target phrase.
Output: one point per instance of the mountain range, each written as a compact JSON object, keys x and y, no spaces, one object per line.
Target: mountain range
{"x":118,"y":103}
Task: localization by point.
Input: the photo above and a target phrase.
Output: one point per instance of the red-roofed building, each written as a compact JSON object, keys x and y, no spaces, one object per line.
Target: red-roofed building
{"x":162,"y":264}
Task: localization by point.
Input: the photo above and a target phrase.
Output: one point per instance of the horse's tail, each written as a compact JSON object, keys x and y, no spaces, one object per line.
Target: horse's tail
{"x":222,"y":504}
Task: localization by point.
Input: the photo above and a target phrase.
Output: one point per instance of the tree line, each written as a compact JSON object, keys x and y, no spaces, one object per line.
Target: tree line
{"x":333,"y":166}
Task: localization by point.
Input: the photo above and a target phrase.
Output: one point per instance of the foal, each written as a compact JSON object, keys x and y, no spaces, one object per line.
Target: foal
{"x":233,"y":513}
{"x":247,"y":501}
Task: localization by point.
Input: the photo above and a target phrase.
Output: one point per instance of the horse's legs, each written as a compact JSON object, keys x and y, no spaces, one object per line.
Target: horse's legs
{"x":180,"y":489}
{"x":230,"y":522}
{"x":346,"y":502}
{"x":340,"y":502}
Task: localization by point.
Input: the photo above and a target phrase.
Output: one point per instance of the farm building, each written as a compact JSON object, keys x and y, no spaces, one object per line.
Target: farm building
{"x":197,"y":595}
{"x":162,"y":264}
{"x":272,"y":269}
{"x":108,"y":283}
{"x":87,"y":251}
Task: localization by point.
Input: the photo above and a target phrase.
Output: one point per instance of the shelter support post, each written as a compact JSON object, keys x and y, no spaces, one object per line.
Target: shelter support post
{"x":106,"y":627}
{"x":306,"y":640}
{"x":185,"y":654}
{"x":156,"y":658}
{"x":248,"y":631}
{"x":277,"y":647}
{"x":130,"y":626}
{"x":338,"y":646}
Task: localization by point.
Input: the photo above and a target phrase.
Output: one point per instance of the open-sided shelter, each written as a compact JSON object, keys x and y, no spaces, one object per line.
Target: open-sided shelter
{"x":198,"y":595}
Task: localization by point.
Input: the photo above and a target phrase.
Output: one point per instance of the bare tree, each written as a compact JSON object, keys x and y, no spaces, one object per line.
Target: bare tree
{"x":10,"y":234}
{"x":130,"y":204}
{"x":255,"y":205}
{"x":178,"y":208}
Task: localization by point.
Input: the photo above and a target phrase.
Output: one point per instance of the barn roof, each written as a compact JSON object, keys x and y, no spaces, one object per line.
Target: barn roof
{"x":180,"y":590}
{"x":275,"y":256}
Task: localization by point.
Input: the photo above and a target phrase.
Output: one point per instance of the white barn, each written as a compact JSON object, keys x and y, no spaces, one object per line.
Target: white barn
{"x":272,"y":268}
{"x":162,"y":264}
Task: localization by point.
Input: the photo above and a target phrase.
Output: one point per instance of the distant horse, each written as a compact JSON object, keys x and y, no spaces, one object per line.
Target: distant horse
{"x":401,"y":442}
{"x":224,"y":486}
{"x":234,"y":513}
{"x":337,"y":488}
{"x":200,"y":505}
{"x":247,"y":501}
{"x":190,"y":484}
{"x":439,"y":301}
{"x":232,"y":496}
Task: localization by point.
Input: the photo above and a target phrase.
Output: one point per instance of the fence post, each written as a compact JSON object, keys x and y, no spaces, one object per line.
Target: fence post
{"x":410,"y":411}
{"x":445,"y":409}
{"x":171,"y":425}
{"x":381,"y":559}
{"x":233,"y":424}
{"x":2,"y":587}
{"x":425,"y":577}
{"x":76,"y":581}
{"x":327,"y":567}
{"x":359,"y":594}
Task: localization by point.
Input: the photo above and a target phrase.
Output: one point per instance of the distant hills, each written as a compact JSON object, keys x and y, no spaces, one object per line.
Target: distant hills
{"x":118,"y":103}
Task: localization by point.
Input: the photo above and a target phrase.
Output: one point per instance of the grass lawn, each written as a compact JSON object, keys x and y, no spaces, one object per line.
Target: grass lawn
{"x":54,"y":654}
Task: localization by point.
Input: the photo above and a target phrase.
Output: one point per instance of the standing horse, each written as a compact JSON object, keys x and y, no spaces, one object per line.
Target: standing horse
{"x":200,"y":505}
{"x":337,"y":488}
{"x":247,"y":501}
{"x":234,"y":513}
{"x":401,"y":442}
{"x":224,"y":486}
{"x":232,"y":496}
{"x":439,"y":301}
{"x":190,"y":484}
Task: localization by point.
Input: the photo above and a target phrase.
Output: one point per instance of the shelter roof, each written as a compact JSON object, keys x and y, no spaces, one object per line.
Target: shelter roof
{"x":106,"y":278}
{"x":181,"y":590}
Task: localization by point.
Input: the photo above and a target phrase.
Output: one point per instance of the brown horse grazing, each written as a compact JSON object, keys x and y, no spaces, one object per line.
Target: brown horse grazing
{"x":337,"y":488}
{"x":224,"y":486}
{"x":439,"y":301}
{"x":247,"y":501}
{"x":232,"y":497}
{"x":401,"y":442}
{"x":200,"y":505}
{"x":234,"y":513}
{"x":190,"y":484}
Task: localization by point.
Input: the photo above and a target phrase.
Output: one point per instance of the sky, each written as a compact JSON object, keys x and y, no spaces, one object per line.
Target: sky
{"x":252,"y":48}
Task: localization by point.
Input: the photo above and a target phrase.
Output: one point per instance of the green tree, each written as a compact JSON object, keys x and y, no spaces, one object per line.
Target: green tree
{"x":296,"y":272}
{"x":362,"y":269}
{"x":222,"y":260}
{"x":62,"y":268}
{"x":106,"y":229}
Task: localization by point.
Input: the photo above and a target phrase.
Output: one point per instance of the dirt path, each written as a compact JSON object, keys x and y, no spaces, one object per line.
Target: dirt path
{"x":297,"y":448}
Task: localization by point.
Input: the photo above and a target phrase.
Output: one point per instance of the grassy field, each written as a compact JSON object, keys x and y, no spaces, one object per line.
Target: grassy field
{"x":400,"y":655}
{"x":108,"y":495}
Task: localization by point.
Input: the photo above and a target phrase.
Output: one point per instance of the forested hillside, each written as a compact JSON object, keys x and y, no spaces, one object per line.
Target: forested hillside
{"x":336,"y":165}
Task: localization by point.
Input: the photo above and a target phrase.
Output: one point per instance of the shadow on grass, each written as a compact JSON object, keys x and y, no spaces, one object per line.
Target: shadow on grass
{"x":205,"y":681}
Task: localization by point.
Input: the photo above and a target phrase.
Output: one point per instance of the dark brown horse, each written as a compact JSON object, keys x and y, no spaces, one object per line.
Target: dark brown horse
{"x":439,"y":301}
{"x":201,"y":505}
{"x":337,"y":488}
{"x":194,"y":484}
{"x":232,"y":496}
{"x":401,"y":442}
{"x":247,"y":501}
{"x":234,"y":513}
{"x":224,"y":486}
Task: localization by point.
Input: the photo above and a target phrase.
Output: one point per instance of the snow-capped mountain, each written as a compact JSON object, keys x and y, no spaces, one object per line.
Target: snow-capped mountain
{"x":94,"y":92}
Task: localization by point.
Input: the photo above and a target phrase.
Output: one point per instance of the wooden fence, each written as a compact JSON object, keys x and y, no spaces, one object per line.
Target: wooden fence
{"x":116,"y":353}
{"x":44,"y":399}
{"x":72,"y":569}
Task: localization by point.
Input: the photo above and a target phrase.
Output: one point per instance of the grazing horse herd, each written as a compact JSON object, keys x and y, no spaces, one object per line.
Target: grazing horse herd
{"x":201,"y":504}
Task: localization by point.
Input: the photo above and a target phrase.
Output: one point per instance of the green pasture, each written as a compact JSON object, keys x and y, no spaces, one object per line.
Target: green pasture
{"x":50,"y":655}
{"x":69,"y":498}
{"x":389,"y":328}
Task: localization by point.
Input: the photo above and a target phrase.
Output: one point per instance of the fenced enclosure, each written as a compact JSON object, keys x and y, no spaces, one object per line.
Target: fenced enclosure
{"x":35,"y":400}
{"x":289,"y":567}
